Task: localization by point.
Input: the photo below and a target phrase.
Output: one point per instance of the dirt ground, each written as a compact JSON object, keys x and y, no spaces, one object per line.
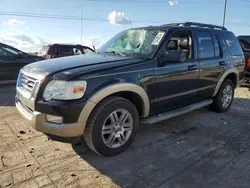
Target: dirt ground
{"x":199,"y":149}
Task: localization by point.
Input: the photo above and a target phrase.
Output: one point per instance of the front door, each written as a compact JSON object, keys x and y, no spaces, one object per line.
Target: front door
{"x":176,"y":83}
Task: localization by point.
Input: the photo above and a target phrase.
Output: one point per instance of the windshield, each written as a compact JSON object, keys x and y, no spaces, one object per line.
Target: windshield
{"x":134,"y":42}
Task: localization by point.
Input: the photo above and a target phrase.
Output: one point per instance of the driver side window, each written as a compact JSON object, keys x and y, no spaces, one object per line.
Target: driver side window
{"x":5,"y":51}
{"x":182,"y":41}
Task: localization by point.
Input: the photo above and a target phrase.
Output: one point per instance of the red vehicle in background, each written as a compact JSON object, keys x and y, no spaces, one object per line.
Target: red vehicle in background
{"x":245,"y":44}
{"x":61,"y":50}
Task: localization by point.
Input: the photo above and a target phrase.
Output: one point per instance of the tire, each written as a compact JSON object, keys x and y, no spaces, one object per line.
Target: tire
{"x":101,"y":118}
{"x":217,"y":104}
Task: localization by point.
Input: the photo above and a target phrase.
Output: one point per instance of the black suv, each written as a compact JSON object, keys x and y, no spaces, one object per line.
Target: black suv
{"x":245,"y":44}
{"x":146,"y":75}
{"x":11,"y":61}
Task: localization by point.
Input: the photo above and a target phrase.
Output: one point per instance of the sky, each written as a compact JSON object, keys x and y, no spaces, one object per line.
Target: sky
{"x":25,"y":24}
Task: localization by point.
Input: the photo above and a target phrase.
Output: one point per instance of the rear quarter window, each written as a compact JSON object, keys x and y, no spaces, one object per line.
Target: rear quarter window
{"x":232,"y":43}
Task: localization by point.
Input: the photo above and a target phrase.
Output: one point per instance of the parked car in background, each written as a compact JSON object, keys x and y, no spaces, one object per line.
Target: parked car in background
{"x":61,"y":50}
{"x":11,"y":61}
{"x":245,"y":44}
{"x":147,"y":74}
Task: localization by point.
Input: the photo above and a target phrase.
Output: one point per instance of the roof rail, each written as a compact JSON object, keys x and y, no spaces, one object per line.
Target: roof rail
{"x":195,"y":24}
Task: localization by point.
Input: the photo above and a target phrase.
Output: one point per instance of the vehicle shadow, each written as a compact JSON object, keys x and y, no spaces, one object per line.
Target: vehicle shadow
{"x":7,"y":93}
{"x":163,"y":150}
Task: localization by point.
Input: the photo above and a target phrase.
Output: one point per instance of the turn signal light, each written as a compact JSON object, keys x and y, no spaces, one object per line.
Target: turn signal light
{"x":78,"y":90}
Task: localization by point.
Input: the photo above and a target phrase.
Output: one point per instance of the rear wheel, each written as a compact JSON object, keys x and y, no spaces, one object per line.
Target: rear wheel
{"x":224,"y":97}
{"x":112,"y":126}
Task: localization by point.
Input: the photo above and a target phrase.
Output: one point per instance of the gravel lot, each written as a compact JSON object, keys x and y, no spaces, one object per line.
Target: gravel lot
{"x":199,"y":149}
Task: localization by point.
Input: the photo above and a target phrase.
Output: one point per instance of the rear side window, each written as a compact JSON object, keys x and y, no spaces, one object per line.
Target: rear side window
{"x":205,"y":45}
{"x":65,"y":50}
{"x":232,"y":43}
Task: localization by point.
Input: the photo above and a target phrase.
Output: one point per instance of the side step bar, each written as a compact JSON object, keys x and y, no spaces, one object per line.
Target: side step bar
{"x":176,"y":112}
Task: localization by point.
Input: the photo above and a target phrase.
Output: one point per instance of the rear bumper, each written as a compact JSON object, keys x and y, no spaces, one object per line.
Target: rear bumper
{"x":39,"y":122}
{"x":247,"y":75}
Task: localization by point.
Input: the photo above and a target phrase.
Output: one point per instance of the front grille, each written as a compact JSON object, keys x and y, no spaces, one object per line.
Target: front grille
{"x":28,"y":83}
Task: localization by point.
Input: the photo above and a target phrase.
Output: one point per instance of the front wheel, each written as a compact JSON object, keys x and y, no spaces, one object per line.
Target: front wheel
{"x":112,"y":126}
{"x":224,"y":97}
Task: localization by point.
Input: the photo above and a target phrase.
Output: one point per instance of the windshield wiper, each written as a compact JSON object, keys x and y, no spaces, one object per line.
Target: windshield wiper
{"x":115,"y":52}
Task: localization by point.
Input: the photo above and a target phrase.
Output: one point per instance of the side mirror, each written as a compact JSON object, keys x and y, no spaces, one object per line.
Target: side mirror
{"x":172,"y":56}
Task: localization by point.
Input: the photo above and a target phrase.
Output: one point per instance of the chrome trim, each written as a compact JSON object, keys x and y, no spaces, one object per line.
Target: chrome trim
{"x":22,"y":110}
{"x":27,"y":86}
{"x":32,"y":75}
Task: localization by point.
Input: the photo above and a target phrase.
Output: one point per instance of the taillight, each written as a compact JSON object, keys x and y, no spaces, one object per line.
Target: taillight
{"x":248,"y":62}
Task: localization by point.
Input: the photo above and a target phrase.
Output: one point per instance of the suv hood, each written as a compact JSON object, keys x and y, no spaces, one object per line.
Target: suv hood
{"x":46,"y":67}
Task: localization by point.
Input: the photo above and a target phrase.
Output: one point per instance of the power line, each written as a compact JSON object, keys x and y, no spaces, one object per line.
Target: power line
{"x":80,"y":18}
{"x":246,"y":1}
{"x":127,"y":1}
{"x":62,"y":17}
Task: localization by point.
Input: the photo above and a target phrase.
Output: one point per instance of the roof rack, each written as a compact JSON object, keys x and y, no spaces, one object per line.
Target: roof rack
{"x":195,"y":24}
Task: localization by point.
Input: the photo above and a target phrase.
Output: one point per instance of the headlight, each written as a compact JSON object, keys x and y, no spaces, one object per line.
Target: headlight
{"x":64,"y":90}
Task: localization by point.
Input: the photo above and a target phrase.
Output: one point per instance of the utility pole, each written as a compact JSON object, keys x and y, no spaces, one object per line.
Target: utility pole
{"x":225,"y":10}
{"x":81,"y":27}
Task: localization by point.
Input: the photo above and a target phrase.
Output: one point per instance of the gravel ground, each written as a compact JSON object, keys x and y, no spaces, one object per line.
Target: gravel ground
{"x":199,"y":149}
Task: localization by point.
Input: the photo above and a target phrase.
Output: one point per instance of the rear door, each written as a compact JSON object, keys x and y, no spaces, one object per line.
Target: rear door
{"x":212,"y":61}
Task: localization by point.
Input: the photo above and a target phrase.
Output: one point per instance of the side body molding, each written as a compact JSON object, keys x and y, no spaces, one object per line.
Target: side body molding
{"x":109,"y":90}
{"x":229,"y":71}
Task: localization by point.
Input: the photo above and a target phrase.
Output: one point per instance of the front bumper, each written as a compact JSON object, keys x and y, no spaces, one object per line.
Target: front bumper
{"x":38,"y":121}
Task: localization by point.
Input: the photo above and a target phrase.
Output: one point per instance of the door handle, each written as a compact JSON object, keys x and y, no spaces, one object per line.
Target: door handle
{"x":192,"y":67}
{"x":222,"y":63}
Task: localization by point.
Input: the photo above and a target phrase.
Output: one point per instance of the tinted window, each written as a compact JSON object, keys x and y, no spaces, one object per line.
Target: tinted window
{"x":65,"y":50}
{"x":206,"y":47}
{"x":5,"y":50}
{"x":232,"y":43}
